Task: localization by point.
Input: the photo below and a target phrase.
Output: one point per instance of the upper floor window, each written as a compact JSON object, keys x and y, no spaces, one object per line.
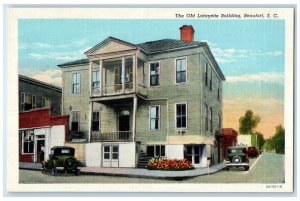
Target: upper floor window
{"x":206,"y":73}
{"x":154,"y":117}
{"x":219,"y":121}
{"x":46,"y":102}
{"x":95,"y":121}
{"x":75,"y":83}
{"x":33,"y":101}
{"x":181,"y":115}
{"x":28,"y":102}
{"x":154,"y":74}
{"x":181,"y":68}
{"x":211,"y":119}
{"x":75,"y":121}
{"x":28,"y":141}
{"x":206,"y":116}
{"x":96,"y":80}
{"x":22,"y":101}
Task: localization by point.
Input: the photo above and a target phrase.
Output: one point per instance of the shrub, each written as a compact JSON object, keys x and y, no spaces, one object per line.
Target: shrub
{"x":169,"y":164}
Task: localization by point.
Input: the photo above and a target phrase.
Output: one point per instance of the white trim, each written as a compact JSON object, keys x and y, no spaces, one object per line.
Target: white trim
{"x":149,"y":118}
{"x":186,"y":112}
{"x":149,"y":73}
{"x":186,"y":73}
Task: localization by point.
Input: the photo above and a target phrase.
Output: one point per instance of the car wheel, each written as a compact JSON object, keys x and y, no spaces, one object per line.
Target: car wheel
{"x":54,"y":171}
{"x":70,"y":164}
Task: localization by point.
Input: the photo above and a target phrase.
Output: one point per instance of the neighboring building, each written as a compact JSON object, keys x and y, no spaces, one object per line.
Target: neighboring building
{"x":36,"y":94}
{"x":37,"y":129}
{"x":229,"y":138}
{"x":244,"y":140}
{"x":162,"y":98}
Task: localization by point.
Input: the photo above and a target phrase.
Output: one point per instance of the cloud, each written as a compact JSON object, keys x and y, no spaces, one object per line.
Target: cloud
{"x":231,"y":55}
{"x":272,"y":77}
{"x":59,"y":56}
{"x":49,"y":76}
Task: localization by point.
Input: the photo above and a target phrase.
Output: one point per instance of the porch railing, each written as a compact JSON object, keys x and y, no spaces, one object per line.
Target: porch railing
{"x":98,"y":136}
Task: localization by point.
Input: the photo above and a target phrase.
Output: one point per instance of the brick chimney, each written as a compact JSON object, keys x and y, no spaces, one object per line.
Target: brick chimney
{"x":187,"y":33}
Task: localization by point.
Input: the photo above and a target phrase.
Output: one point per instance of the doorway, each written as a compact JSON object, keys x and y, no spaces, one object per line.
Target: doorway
{"x":193,"y":153}
{"x":40,"y":150}
{"x":110,"y":155}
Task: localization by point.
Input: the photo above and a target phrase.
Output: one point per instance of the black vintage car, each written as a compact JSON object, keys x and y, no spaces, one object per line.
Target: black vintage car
{"x":62,"y":159}
{"x":237,"y":157}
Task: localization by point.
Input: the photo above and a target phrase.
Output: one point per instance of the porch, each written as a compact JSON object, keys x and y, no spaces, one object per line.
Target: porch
{"x":111,"y":136}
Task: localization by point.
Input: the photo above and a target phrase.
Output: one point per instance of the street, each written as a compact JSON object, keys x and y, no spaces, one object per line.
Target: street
{"x":268,"y":168}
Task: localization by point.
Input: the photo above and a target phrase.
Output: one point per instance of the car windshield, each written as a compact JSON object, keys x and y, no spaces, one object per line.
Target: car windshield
{"x":235,"y":151}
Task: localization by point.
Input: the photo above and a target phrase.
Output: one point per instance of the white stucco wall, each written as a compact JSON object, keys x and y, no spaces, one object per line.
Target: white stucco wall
{"x":57,"y":136}
{"x":127,"y":155}
{"x":93,"y":154}
{"x":206,"y":152}
{"x":244,"y":140}
{"x":174,"y":151}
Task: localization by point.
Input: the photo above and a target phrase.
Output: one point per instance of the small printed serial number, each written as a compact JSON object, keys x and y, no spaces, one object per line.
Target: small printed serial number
{"x":274,"y":186}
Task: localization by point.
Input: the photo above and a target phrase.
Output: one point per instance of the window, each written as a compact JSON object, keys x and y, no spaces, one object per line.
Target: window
{"x":95,"y":121}
{"x":96,"y":80}
{"x":28,"y":141}
{"x":154,"y":117}
{"x":156,"y":150}
{"x":75,"y":121}
{"x":219,"y":121}
{"x":206,"y":74}
{"x":46,"y":102}
{"x":211,"y":119}
{"x":33,"y":101}
{"x":211,"y":76}
{"x":206,"y":116}
{"x":154,"y":74}
{"x":181,"y":65}
{"x":181,"y":115}
{"x":22,"y":101}
{"x":75,"y":83}
{"x":28,"y":102}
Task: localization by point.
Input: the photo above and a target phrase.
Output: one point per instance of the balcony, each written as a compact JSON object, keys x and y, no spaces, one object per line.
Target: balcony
{"x":112,"y":136}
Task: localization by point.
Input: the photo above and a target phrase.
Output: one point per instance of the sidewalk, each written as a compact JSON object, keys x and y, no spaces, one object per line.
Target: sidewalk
{"x":137,"y":172}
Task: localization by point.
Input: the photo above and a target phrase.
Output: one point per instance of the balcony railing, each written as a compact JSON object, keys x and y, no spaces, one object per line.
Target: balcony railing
{"x":114,"y":136}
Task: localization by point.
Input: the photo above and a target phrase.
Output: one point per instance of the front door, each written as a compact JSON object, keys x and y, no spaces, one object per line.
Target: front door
{"x":124,"y":124}
{"x":193,"y":154}
{"x":110,"y":155}
{"x":40,"y":150}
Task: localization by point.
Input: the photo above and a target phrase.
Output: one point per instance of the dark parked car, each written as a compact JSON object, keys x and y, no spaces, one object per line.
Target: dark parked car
{"x":62,"y":159}
{"x":237,"y":157}
{"x":252,"y":152}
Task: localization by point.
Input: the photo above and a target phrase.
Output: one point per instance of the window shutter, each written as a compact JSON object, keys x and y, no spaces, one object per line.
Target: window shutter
{"x":116,"y":72}
{"x":131,"y":74}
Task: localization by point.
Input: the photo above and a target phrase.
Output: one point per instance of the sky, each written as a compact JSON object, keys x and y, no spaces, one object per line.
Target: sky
{"x":250,"y":54}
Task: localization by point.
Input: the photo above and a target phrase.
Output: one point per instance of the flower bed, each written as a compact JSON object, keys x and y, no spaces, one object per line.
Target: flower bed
{"x":171,"y":164}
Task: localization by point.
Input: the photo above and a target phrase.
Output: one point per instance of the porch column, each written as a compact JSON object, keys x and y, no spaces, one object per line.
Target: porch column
{"x":134,"y":71}
{"x":133,"y":118}
{"x":101,"y":76}
{"x":91,"y":78}
{"x":90,"y":120}
{"x":123,"y":74}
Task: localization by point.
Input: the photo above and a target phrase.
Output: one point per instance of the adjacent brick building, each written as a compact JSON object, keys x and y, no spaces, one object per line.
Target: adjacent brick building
{"x":162,"y":98}
{"x":229,"y":138}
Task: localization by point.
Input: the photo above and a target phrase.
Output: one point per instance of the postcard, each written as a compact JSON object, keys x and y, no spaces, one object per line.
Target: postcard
{"x":150,"y":99}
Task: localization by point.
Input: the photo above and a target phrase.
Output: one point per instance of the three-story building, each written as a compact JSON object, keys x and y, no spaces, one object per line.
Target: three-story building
{"x":163,"y":98}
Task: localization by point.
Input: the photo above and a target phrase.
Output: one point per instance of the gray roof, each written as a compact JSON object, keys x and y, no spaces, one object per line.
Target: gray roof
{"x":80,"y":61}
{"x":166,"y":45}
{"x":38,"y":82}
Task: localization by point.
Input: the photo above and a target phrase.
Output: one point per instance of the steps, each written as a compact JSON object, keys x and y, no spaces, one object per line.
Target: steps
{"x":143,"y":160}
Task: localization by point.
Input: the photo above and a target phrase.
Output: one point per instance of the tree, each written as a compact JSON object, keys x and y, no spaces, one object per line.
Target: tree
{"x":257,"y":140}
{"x":277,"y":142}
{"x":248,"y":122}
